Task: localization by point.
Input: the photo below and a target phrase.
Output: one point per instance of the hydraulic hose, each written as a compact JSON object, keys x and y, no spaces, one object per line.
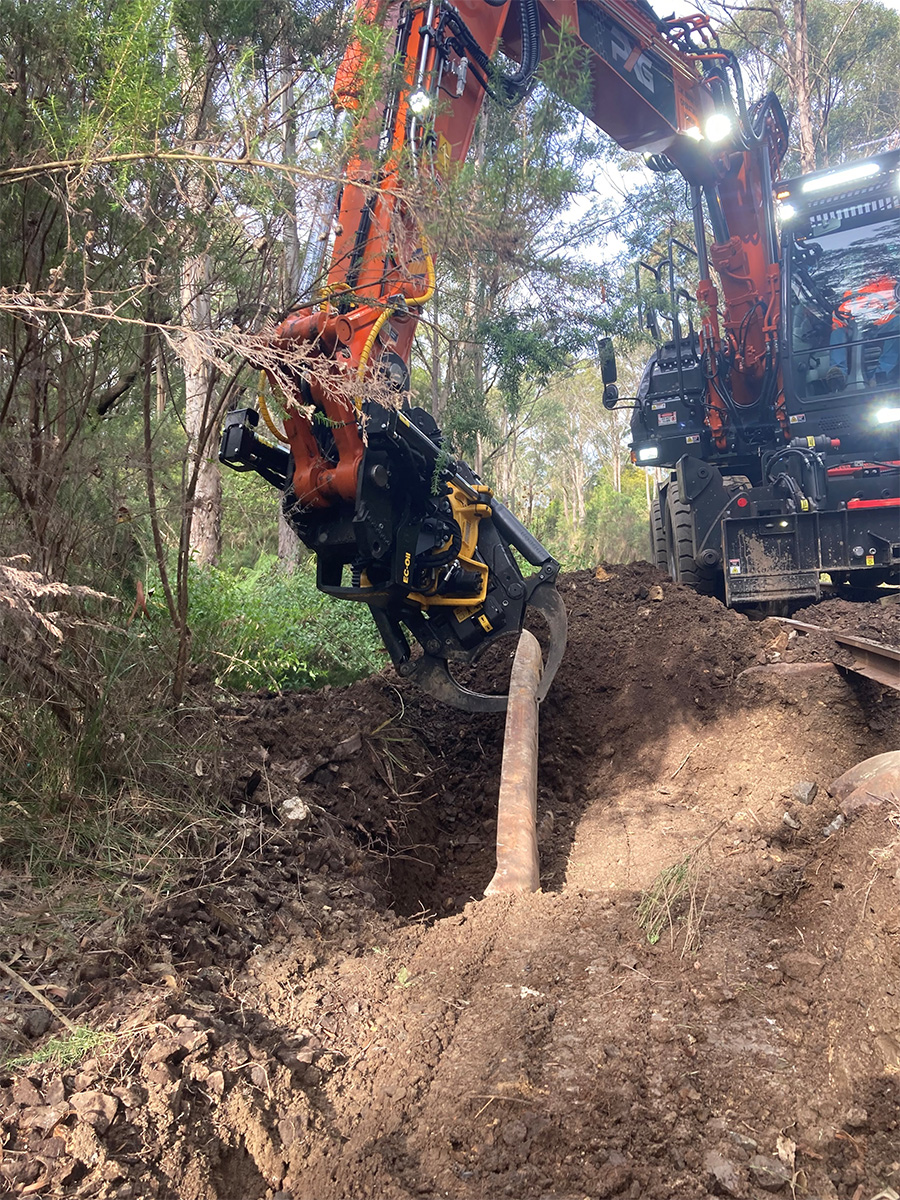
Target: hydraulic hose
{"x":507,"y":90}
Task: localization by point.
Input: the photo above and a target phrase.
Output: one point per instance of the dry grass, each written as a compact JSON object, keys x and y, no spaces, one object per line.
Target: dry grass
{"x":676,"y":900}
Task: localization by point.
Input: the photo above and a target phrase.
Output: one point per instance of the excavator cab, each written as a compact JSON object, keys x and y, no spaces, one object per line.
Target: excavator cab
{"x":841,"y":255}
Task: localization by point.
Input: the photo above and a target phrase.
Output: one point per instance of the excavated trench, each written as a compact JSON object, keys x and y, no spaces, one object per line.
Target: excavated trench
{"x":703,"y":1001}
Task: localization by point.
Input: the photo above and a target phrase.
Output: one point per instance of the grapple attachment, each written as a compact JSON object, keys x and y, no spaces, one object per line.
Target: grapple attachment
{"x":426,"y":546}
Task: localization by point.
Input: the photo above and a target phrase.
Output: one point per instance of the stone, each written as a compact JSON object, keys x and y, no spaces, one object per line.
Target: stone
{"x":769,"y":1173}
{"x":43,"y":1116}
{"x":37,"y":1023}
{"x":347,"y":748}
{"x":856,"y":1118}
{"x":215,"y":1083}
{"x":291,"y":1129}
{"x":194,"y":1040}
{"x":655,"y":593}
{"x":888,"y":1046}
{"x":723,"y":1172}
{"x":801,"y":965}
{"x":295,"y":811}
{"x":514,"y":1132}
{"x":744,"y":1141}
{"x":612,"y":1179}
{"x":162,"y":1050}
{"x":51,"y":1148}
{"x":805,"y":792}
{"x":95,"y":1108}
{"x":160,"y":1074}
{"x":259,"y":1076}
{"x":24,"y":1092}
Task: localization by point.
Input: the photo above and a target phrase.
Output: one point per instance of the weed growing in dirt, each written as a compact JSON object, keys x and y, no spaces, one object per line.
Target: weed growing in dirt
{"x":64,"y":1052}
{"x":674,"y":898}
{"x":657,"y":909}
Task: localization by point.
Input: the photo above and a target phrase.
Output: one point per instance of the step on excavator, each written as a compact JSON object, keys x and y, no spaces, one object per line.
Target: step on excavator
{"x":770,"y":406}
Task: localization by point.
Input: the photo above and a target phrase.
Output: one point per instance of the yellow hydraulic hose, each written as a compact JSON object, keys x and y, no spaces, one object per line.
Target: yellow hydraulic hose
{"x":264,"y":411}
{"x":388,"y":313}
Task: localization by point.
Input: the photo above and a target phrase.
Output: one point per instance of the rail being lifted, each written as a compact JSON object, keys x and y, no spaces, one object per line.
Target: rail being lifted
{"x":881,"y":663}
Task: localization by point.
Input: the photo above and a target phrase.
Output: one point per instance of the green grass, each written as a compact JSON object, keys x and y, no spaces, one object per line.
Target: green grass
{"x":65,"y":1051}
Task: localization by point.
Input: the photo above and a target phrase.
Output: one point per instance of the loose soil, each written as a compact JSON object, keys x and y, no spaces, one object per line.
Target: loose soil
{"x":704,"y":999}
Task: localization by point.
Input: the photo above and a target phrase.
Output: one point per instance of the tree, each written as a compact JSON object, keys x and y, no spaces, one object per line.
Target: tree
{"x":834,"y":65}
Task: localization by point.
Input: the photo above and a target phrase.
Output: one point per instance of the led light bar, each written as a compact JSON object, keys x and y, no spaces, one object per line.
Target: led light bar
{"x":835,"y":179}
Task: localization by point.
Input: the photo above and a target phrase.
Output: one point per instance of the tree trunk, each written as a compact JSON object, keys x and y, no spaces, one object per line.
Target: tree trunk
{"x":799,"y":50}
{"x":289,"y":546}
{"x":205,"y":535}
{"x":289,"y":155}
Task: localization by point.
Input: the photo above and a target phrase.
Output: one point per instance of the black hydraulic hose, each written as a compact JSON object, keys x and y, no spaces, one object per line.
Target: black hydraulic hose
{"x":505,"y":89}
{"x":440,"y":558}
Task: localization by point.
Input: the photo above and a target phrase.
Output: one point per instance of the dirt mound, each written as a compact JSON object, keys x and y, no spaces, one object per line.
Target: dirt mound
{"x":703,"y":1001}
{"x":879,"y":622}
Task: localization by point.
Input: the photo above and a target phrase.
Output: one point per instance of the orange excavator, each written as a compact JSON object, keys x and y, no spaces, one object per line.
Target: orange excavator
{"x":395,"y":520}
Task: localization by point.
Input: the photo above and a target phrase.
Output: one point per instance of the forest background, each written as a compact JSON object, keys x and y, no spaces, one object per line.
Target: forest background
{"x":165,"y":163}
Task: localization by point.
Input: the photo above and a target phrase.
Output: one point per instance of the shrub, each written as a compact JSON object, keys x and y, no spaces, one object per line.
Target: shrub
{"x":263,"y":627}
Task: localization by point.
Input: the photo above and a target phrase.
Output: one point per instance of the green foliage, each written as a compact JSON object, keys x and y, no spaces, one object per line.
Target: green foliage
{"x":854,"y":60}
{"x":266,"y":628}
{"x":614,"y":528}
{"x":64,"y":1052}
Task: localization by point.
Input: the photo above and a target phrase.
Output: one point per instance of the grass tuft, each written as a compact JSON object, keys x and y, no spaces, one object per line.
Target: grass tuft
{"x":65,"y":1051}
{"x":676,"y":897}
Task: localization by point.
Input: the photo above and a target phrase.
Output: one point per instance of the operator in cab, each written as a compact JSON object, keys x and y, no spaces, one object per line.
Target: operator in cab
{"x":868,"y":315}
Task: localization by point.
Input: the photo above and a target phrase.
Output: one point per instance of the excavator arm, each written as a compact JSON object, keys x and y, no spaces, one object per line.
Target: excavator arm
{"x":395,"y":521}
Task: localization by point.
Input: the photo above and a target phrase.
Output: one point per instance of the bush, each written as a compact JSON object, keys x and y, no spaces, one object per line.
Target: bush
{"x":263,"y":627}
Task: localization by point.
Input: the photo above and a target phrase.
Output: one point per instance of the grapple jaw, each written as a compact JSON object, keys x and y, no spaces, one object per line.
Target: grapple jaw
{"x":432,"y":674}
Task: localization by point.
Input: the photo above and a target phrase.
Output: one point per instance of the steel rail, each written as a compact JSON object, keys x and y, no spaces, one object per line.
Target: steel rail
{"x":871,"y":659}
{"x":518,"y":865}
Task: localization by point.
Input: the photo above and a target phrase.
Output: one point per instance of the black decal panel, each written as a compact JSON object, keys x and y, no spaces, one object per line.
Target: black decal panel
{"x":648,"y":74}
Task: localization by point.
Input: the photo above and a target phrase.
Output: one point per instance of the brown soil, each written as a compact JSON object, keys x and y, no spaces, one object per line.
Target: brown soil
{"x":328,"y":1010}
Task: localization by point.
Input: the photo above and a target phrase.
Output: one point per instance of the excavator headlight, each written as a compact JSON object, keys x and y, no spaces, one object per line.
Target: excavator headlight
{"x":419,"y":102}
{"x":693,"y":132}
{"x":884,"y":416}
{"x":648,"y":454}
{"x":718,"y":127}
{"x":787,"y":212}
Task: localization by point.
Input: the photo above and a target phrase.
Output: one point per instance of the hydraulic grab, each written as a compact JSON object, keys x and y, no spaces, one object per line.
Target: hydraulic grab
{"x":396,"y":522}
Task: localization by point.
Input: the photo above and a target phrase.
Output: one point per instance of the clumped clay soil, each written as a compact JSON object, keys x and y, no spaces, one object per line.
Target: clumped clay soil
{"x":704,"y":999}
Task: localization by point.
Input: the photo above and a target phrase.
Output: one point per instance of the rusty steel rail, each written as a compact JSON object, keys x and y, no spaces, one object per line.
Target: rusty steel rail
{"x":518,"y":867}
{"x":881,"y":663}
